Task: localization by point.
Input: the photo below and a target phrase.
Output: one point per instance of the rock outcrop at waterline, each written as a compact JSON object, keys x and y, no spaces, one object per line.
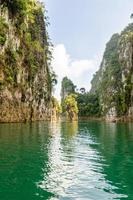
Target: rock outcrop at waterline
{"x":25,"y":79}
{"x":113,"y":83}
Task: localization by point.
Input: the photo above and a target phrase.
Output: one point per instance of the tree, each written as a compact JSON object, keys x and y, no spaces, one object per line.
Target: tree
{"x":131,"y":16}
{"x":53,"y":78}
{"x":82,"y":90}
{"x":88,"y":104}
{"x":21,"y":8}
{"x":56,"y":106}
{"x":70,"y":106}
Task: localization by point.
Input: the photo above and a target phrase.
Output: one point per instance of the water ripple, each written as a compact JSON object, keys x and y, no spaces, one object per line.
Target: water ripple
{"x":76,"y":170}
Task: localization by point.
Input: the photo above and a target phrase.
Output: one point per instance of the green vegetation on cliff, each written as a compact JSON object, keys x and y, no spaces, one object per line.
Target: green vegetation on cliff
{"x":68,"y":99}
{"x":33,"y":50}
{"x":113,"y":83}
{"x":25,"y":56}
{"x":56,"y":106}
{"x":3,"y":30}
{"x":67,"y":87}
{"x":69,"y":106}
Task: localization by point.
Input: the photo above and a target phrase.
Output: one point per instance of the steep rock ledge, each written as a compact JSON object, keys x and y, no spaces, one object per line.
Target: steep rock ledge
{"x":114,"y":81}
{"x":25,"y":78}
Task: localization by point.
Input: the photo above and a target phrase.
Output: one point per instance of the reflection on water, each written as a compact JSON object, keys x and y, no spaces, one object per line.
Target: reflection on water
{"x":85,"y":160}
{"x":61,"y":164}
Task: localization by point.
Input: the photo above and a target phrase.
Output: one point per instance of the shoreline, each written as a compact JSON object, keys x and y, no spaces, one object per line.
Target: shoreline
{"x":100,"y":119}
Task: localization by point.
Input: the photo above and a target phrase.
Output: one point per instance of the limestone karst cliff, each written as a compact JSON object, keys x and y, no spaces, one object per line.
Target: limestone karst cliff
{"x":113,"y":83}
{"x":25,"y":77}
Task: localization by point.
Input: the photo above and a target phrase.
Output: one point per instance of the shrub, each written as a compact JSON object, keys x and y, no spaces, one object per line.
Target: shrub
{"x":3,"y":31}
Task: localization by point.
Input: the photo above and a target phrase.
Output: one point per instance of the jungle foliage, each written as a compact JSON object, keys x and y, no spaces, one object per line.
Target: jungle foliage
{"x":29,"y":23}
{"x":88,"y":105}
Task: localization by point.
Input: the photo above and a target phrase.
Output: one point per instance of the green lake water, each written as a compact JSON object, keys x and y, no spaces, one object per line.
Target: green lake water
{"x":66,"y":161}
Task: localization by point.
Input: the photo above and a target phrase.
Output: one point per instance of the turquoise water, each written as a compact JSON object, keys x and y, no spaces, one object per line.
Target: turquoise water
{"x":66,"y":161}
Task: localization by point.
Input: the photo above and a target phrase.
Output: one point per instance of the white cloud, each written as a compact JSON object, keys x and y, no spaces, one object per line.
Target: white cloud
{"x":79,"y":71}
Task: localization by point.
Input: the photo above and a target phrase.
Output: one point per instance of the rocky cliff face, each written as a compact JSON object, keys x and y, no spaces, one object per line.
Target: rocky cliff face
{"x":25,"y":80}
{"x":67,"y":88}
{"x":114,"y":80}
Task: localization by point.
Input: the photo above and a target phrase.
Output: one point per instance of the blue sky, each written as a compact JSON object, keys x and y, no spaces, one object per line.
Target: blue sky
{"x":79,"y":31}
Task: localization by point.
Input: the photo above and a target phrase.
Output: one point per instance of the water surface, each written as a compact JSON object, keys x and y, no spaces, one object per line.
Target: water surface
{"x":66,"y":161}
